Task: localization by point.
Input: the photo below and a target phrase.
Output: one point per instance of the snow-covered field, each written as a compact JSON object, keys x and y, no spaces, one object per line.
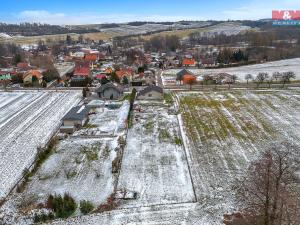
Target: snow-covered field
{"x":184,"y":214}
{"x":153,"y":165}
{"x":125,"y":29}
{"x":179,"y":179}
{"x":227,"y":28}
{"x":27,"y":121}
{"x":270,"y":67}
{"x":225,"y":131}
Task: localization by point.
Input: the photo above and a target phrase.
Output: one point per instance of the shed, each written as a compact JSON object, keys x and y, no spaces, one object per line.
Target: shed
{"x":151,"y":93}
{"x":76,"y":117}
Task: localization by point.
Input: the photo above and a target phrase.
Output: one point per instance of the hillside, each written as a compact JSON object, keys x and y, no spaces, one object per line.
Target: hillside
{"x":107,"y":31}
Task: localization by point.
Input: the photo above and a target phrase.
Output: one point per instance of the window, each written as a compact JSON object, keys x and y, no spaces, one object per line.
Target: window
{"x":149,"y":95}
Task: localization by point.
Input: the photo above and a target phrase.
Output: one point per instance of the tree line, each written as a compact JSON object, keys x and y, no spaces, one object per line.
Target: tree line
{"x":35,"y":29}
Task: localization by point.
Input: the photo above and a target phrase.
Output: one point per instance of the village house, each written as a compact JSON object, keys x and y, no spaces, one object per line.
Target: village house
{"x":149,"y":77}
{"x":77,"y":55}
{"x":207,"y":62}
{"x":23,"y":67}
{"x":81,"y":72}
{"x":151,"y":93}
{"x":75,"y":118}
{"x":110,"y":91}
{"x":180,"y":75}
{"x":33,"y":77}
{"x":223,"y":78}
{"x":5,"y":76}
{"x":125,"y":72}
{"x":189,"y":62}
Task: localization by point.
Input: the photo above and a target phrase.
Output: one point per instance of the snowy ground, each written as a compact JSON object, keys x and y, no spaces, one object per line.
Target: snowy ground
{"x":221,"y":131}
{"x":225,"y":131}
{"x":153,"y":165}
{"x":106,"y":121}
{"x":81,"y":166}
{"x":184,"y":214}
{"x":27,"y":121}
{"x":169,"y":76}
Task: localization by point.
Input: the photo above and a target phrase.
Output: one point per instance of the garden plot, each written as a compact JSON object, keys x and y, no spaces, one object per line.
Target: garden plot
{"x":169,"y":76}
{"x":80,"y":167}
{"x":104,"y":121}
{"x":154,"y":162}
{"x":28,"y":120}
{"x":224,"y":131}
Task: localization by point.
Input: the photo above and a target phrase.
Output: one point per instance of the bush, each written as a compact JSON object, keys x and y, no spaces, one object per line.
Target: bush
{"x":132,"y":98}
{"x":63,"y":207}
{"x":177,"y":141}
{"x":168,"y":98}
{"x":43,"y":217}
{"x":86,"y":207}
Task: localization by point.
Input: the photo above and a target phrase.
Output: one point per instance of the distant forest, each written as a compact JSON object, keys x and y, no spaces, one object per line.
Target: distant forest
{"x":36,"y":29}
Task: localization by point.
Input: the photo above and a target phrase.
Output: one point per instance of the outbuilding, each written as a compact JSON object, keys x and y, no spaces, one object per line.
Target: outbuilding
{"x":75,"y":118}
{"x":151,"y":93}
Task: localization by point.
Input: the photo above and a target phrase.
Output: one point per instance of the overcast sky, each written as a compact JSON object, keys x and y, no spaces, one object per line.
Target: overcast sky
{"x":109,"y":11}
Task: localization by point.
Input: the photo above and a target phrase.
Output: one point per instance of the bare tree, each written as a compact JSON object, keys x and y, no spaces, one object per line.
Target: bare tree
{"x":261,"y":77}
{"x":232,"y":80}
{"x":248,"y":77}
{"x":269,"y":193}
{"x":277,"y":76}
{"x":287,"y":76}
{"x":270,"y":80}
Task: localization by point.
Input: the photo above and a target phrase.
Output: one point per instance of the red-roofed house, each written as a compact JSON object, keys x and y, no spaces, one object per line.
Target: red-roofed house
{"x":33,"y":76}
{"x":81,"y":72}
{"x":100,"y":76}
{"x":189,"y":62}
{"x":124,"y":72}
{"x":23,"y":67}
{"x":91,"y":57}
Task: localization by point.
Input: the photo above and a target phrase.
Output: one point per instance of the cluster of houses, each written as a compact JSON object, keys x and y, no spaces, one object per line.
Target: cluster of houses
{"x":26,"y":73}
{"x":191,"y":58}
{"x":184,"y":76}
{"x":109,"y":95}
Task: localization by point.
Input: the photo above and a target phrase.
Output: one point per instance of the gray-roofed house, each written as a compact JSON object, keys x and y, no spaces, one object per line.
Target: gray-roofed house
{"x":151,"y":93}
{"x":110,"y":91}
{"x":180,"y":74}
{"x":75,"y":118}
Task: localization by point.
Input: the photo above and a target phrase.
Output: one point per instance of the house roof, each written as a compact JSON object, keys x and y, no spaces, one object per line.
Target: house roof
{"x":82,"y":71}
{"x":77,"y":113}
{"x":34,"y":73}
{"x":4,"y":72}
{"x":183,"y":72}
{"x":124,"y":72}
{"x":189,"y":62}
{"x":100,"y":76}
{"x":207,"y":61}
{"x":115,"y":86}
{"x":149,"y":89}
{"x":23,"y":65}
{"x":91,"y":57}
